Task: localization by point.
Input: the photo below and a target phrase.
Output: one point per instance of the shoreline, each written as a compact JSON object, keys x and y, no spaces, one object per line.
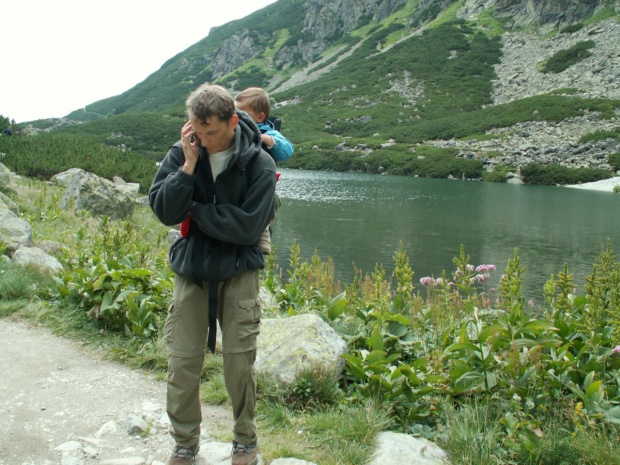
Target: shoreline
{"x":604,"y":185}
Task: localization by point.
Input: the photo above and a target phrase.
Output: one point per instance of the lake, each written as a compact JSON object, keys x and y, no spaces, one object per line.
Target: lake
{"x":361,"y":218}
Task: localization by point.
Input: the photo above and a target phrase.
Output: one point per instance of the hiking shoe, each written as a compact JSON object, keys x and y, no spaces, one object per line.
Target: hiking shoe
{"x":264,"y":243}
{"x":183,"y":455}
{"x":244,"y":455}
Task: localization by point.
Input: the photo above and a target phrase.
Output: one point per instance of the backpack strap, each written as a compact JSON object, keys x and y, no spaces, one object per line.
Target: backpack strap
{"x":275,"y":121}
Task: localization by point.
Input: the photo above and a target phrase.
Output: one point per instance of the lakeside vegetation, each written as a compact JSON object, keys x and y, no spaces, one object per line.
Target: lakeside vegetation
{"x":489,"y":378}
{"x":42,"y":156}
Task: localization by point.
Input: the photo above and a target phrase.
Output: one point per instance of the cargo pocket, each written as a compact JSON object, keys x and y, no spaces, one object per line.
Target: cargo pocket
{"x":248,"y":314}
{"x":169,"y":325}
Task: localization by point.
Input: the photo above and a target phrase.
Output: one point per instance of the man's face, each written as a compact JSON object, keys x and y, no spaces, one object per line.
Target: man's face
{"x":216,"y":135}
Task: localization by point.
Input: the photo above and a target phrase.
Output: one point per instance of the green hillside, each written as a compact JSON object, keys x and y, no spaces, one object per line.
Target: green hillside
{"x":417,"y":74}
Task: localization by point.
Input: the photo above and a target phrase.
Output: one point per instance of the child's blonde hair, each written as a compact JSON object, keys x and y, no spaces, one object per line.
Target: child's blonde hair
{"x":256,"y":98}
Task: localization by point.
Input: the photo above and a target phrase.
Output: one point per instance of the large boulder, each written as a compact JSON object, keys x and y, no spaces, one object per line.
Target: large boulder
{"x":87,"y":191}
{"x":289,"y":345}
{"x":66,"y":177}
{"x":7,"y":204}
{"x":37,"y":257}
{"x":14,"y":231}
{"x":6,"y":180}
{"x":397,"y":448}
{"x":131,"y":188}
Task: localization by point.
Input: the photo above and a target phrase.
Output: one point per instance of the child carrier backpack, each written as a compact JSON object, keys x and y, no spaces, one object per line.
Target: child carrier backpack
{"x":275,"y":121}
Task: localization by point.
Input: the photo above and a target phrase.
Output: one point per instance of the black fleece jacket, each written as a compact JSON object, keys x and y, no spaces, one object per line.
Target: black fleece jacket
{"x":227,"y":216}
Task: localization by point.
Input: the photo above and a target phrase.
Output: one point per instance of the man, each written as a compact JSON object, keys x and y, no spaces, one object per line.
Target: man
{"x":220,"y":183}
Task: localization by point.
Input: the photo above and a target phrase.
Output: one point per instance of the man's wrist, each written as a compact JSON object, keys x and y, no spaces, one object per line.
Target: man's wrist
{"x":188,"y":168}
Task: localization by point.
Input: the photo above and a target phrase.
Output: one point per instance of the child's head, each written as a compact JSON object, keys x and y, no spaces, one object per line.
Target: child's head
{"x":255,"y":102}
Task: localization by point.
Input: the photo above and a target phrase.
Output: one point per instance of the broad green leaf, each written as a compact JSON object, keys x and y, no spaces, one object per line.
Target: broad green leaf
{"x":354,"y":367}
{"x":462,"y":346}
{"x":538,"y":325}
{"x":98,"y":283}
{"x":594,"y":391}
{"x":375,"y":356}
{"x":399,"y":318}
{"x":468,"y":382}
{"x":107,"y":301}
{"x":613,"y":415}
{"x":493,"y":330}
{"x":375,"y":341}
{"x":394,"y":328}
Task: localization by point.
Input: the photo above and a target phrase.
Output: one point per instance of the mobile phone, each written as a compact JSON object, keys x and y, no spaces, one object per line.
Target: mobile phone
{"x":192,"y":138}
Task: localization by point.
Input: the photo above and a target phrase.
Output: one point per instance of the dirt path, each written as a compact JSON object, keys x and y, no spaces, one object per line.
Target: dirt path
{"x":61,"y":403}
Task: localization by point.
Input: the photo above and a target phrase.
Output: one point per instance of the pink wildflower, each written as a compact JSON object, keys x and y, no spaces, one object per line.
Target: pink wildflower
{"x":470,"y":267}
{"x":616,"y":350}
{"x":483,"y":268}
{"x":439,"y":281}
{"x":427,"y":281}
{"x":482,"y":277}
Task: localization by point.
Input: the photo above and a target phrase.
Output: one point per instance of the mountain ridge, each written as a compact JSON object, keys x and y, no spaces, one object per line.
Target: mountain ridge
{"x":286,"y":36}
{"x":379,"y":86}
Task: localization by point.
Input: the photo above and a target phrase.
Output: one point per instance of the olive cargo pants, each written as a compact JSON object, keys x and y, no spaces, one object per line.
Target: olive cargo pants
{"x":185,"y":332}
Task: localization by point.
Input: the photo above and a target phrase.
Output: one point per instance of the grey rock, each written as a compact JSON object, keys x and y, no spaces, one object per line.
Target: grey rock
{"x":87,"y":191}
{"x":66,"y":177}
{"x":172,"y":235}
{"x":14,"y":231}
{"x":135,"y":424}
{"x":37,"y":257}
{"x":69,"y":446}
{"x":52,"y":247}
{"x":397,"y":449}
{"x":288,"y":345}
{"x":7,"y":204}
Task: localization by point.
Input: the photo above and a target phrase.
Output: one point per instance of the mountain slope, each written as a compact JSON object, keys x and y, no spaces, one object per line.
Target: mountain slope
{"x":410,"y":71}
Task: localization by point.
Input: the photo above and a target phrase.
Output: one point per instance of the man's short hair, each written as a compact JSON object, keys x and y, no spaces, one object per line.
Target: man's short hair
{"x":210,"y":100}
{"x":257,"y":100}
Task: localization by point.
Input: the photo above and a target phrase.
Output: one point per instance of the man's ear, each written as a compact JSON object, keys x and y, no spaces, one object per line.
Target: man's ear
{"x":261,"y":117}
{"x":234,"y":120}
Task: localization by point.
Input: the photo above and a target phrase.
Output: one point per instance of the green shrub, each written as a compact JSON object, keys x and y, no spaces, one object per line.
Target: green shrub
{"x":614,"y":161}
{"x":571,"y":28}
{"x":600,"y":135}
{"x":45,"y":155}
{"x":552,"y":174}
{"x":564,"y":59}
{"x":23,"y":282}
{"x":494,"y":176}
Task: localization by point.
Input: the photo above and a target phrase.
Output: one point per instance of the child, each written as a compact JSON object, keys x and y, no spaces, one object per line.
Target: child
{"x":255,"y":102}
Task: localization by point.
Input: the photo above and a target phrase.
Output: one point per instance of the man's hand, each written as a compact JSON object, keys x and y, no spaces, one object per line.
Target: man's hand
{"x":190,"y":148}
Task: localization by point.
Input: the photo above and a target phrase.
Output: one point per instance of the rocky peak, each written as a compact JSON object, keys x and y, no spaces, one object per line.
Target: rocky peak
{"x":545,"y":15}
{"x":328,"y":20}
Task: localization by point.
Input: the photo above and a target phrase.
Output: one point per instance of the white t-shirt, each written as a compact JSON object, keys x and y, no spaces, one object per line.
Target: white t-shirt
{"x":219,"y":160}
